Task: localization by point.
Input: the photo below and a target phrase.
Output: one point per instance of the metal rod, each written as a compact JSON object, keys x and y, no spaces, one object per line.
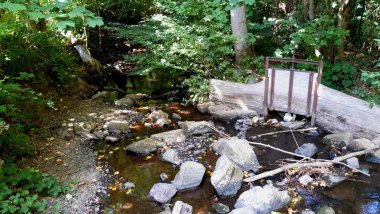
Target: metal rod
{"x":273,"y":77}
{"x":290,"y":91}
{"x":309,"y":93}
{"x":265,"y":104}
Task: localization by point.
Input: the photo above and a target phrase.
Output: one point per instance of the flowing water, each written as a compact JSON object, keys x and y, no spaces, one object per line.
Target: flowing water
{"x":359,"y":195}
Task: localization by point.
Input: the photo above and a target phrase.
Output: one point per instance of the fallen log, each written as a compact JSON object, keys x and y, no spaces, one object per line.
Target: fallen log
{"x":336,"y":111}
{"x":317,"y":163}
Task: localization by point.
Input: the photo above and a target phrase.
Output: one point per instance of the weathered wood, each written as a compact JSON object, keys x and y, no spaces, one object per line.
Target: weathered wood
{"x":336,"y":111}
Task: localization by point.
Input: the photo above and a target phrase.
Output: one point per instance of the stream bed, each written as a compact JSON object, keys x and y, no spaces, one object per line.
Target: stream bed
{"x":358,"y":194}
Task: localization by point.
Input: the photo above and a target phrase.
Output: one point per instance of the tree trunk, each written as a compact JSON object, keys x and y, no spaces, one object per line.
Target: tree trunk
{"x":239,"y":30}
{"x":311,"y":10}
{"x":342,"y":22}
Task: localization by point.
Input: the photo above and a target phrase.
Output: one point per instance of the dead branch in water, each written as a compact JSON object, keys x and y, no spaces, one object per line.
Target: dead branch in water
{"x":317,"y":163}
{"x":284,"y":131}
{"x":311,"y":162}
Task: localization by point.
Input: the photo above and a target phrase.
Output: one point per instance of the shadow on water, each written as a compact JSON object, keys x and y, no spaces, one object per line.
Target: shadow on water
{"x":360,"y":195}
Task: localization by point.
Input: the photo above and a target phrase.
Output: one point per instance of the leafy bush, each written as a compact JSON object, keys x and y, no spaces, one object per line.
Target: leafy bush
{"x":21,"y":189}
{"x":339,"y":76}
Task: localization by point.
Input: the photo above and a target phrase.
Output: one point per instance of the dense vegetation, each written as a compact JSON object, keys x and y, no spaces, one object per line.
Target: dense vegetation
{"x":186,"y":43}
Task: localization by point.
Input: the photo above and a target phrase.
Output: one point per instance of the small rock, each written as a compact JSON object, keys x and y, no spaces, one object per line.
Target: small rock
{"x":313,"y":133}
{"x":88,"y":136}
{"x":263,"y":199}
{"x":232,"y":115}
{"x":143,"y":147}
{"x":83,"y":127}
{"x":166,"y":210}
{"x":118,"y":127}
{"x":239,"y":152}
{"x":99,"y":134}
{"x":164,"y":176}
{"x":373,"y":157}
{"x":176,"y":117}
{"x":227,"y":178}
{"x":333,"y":180}
{"x":353,"y":162}
{"x":326,"y":210}
{"x":196,"y":127}
{"x":293,"y":124}
{"x":111,"y":139}
{"x":307,"y":149}
{"x":102,"y":95}
{"x":124,"y":102}
{"x":339,"y":139}
{"x":171,"y":156}
{"x":305,"y":179}
{"x":272,"y":122}
{"x":137,"y":97}
{"x":162,"y":192}
{"x":203,"y":107}
{"x":189,"y":176}
{"x":159,"y":117}
{"x":182,"y":208}
{"x":221,"y":208}
{"x":128,"y":185}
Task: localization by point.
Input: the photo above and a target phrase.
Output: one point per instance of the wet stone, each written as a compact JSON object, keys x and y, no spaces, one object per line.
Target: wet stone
{"x":231,"y":115}
{"x":339,"y":139}
{"x":182,"y":208}
{"x":118,"y":127}
{"x":176,"y":117}
{"x":263,"y":199}
{"x":190,"y":128}
{"x":143,"y":147}
{"x":239,"y":152}
{"x":99,"y":134}
{"x":326,"y":210}
{"x":333,"y":180}
{"x":162,"y":192}
{"x":307,"y":149}
{"x":159,"y":117}
{"x":305,"y":179}
{"x":221,"y":208}
{"x":203,"y":107}
{"x":124,"y":102}
{"x":189,"y":176}
{"x":169,"y":137}
{"x":361,"y":144}
{"x":353,"y":162}
{"x":227,"y":178}
{"x":111,"y":139}
{"x":171,"y":156}
{"x":293,"y":124}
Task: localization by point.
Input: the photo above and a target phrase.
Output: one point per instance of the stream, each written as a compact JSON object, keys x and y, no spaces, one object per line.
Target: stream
{"x":358,"y":194}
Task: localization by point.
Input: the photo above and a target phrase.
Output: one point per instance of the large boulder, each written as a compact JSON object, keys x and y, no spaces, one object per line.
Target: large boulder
{"x":238,"y":151}
{"x":170,"y":137}
{"x":196,"y":127}
{"x":338,"y":139}
{"x":227,"y":177}
{"x":118,"y":126}
{"x":231,"y":115}
{"x":182,"y":208}
{"x":189,"y":176}
{"x":307,"y":149}
{"x":263,"y":199}
{"x":143,"y":147}
{"x":162,"y":192}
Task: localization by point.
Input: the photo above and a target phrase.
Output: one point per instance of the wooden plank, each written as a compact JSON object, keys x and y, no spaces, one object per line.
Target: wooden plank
{"x":336,"y":111}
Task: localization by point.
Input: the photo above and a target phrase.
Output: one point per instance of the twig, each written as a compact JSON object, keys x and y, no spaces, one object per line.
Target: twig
{"x":284,"y":131}
{"x":319,"y":163}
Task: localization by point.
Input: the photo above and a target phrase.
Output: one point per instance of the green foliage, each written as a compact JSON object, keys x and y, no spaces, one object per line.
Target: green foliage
{"x":33,"y":56}
{"x":339,"y":76}
{"x":61,"y":14}
{"x":21,"y":189}
{"x":311,"y":38}
{"x":123,"y":11}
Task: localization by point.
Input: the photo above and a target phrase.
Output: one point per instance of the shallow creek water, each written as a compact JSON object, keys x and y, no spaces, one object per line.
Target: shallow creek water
{"x":359,"y":195}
